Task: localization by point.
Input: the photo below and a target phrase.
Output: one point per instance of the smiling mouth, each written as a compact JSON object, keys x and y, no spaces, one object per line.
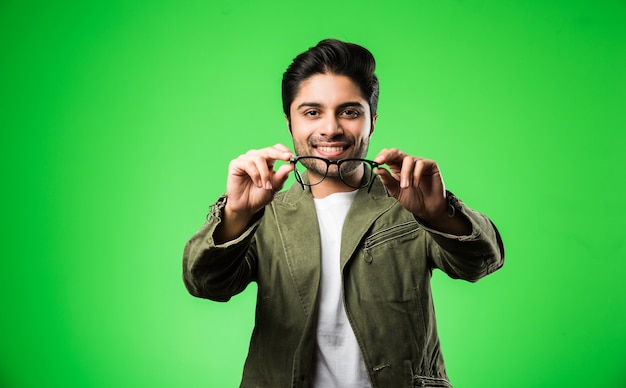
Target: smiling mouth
{"x":330,"y":149}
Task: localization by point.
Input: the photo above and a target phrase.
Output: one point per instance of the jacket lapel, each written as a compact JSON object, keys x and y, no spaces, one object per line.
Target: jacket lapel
{"x":297,"y":223}
{"x":299,"y":231}
{"x":365,"y":209}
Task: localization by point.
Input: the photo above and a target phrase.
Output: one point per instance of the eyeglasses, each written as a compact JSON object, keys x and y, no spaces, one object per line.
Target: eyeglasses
{"x":344,"y":169}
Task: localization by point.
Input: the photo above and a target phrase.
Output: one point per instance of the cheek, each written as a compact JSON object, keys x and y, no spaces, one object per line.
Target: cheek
{"x":301,"y":128}
{"x":361,"y":129}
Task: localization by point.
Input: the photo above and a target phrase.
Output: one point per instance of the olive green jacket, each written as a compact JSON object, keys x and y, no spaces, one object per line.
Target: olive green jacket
{"x":386,"y":261}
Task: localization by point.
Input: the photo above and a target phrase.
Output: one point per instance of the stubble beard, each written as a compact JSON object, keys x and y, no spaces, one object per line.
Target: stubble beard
{"x":319,"y":167}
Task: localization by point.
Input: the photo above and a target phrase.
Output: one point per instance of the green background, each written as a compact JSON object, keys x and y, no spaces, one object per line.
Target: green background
{"x":119,"y":119}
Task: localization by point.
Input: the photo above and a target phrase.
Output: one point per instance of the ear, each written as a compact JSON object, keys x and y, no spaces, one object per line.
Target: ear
{"x":288,"y":124}
{"x":373,"y":124}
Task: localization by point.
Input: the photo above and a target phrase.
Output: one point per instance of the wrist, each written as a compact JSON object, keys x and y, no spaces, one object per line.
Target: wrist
{"x":235,"y":217}
{"x":232,"y":223}
{"x":450,"y":219}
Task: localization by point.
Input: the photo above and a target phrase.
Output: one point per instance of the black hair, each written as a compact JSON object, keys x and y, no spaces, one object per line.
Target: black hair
{"x":335,"y":57}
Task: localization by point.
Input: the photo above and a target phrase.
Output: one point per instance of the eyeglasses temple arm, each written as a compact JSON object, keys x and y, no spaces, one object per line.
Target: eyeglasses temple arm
{"x":294,"y":160}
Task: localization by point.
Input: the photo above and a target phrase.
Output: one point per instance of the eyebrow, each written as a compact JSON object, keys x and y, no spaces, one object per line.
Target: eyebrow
{"x":340,"y":106}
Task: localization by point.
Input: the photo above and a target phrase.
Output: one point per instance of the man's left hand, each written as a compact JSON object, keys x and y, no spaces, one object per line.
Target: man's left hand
{"x":418,"y":185}
{"x":415,"y":182}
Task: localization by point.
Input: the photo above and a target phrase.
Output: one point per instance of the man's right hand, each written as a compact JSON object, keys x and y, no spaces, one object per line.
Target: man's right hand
{"x":252,"y":183}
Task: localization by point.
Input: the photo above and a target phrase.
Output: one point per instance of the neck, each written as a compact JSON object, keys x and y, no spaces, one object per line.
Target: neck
{"x":331,"y":185}
{"x":325,"y":189}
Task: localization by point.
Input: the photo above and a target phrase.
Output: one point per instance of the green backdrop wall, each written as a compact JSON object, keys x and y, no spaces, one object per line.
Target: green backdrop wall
{"x":119,"y":119}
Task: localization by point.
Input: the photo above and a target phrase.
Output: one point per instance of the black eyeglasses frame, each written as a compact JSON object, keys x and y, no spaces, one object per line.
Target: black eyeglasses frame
{"x":372,"y":164}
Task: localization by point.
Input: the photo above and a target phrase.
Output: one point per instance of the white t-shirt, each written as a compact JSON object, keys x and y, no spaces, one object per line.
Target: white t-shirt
{"x":338,"y":360}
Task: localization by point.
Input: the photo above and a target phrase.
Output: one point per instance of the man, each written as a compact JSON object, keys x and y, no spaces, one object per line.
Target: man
{"x":343,"y":258}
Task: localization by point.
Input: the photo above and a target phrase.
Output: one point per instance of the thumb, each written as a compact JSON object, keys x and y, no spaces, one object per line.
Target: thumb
{"x":280,"y":176}
{"x":391,"y":183}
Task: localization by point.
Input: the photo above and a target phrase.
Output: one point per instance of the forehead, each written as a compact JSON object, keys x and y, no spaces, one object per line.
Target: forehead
{"x":329,"y":88}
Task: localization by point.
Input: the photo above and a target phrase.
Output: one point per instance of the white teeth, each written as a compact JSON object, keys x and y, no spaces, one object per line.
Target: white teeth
{"x":330,"y":149}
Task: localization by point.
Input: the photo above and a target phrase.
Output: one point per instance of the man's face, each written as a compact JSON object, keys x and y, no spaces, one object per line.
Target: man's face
{"x":331,"y":119}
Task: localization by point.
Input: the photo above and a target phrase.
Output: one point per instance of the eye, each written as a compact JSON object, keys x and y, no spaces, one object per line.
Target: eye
{"x":350,"y":113}
{"x":311,"y":113}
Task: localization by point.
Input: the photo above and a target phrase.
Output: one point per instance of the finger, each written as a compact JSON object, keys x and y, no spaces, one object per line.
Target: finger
{"x":252,"y":166}
{"x":425,"y":169}
{"x":263,"y":161}
{"x":406,"y":174}
{"x":382,"y":156}
{"x":242,"y":167}
{"x":273,"y":153}
{"x":281,"y":175}
{"x":389,"y":181}
{"x":265,"y":168}
{"x":389,"y":156}
{"x":282,"y":150}
{"x":418,"y":172}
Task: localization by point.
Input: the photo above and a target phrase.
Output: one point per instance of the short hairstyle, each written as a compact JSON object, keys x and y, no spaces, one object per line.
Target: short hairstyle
{"x":332,"y":56}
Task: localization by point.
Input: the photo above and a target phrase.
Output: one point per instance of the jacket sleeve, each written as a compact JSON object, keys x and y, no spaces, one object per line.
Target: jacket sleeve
{"x":468,"y":257}
{"x":218,"y":272}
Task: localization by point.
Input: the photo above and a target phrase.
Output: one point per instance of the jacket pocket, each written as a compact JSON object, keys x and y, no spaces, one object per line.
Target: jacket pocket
{"x":387,"y":235}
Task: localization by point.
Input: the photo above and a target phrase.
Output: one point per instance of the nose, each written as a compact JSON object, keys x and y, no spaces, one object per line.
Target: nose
{"x":331,"y":127}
